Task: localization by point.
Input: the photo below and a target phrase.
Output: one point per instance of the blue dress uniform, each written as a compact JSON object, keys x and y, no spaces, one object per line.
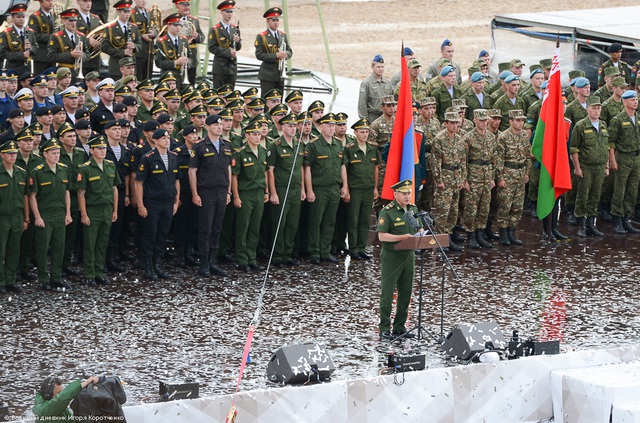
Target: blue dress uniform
{"x":100,"y":114}
{"x":213,"y":166}
{"x":13,"y":194}
{"x":397,"y":267}
{"x":159,"y":185}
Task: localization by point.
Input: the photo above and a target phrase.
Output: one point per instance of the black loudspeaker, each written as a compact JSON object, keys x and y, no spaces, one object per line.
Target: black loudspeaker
{"x":300,"y":363}
{"x":466,"y":340}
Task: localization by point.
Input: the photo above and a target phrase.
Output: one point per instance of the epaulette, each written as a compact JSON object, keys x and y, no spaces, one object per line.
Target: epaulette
{"x":112,"y":24}
{"x":39,"y":167}
{"x":18,"y":167}
{"x":58,"y":34}
{"x":95,"y":106}
{"x":177,"y":150}
{"x":62,"y":164}
{"x":217,"y":26}
{"x":182,"y":36}
{"x":389,"y":206}
{"x":349,"y":145}
{"x":93,"y":15}
{"x":313,"y":138}
{"x":78,"y":149}
{"x":150,"y":153}
{"x":86,"y":163}
{"x":80,"y":33}
{"x":370,"y":143}
{"x":163,"y":38}
{"x":263,"y":33}
{"x":191,"y":16}
{"x":36,"y":154}
{"x":37,"y":13}
{"x":278,"y":142}
{"x":419,"y":130}
{"x":29,"y":29}
{"x":281,"y":32}
{"x":8,"y":29}
{"x":139,"y":145}
{"x":109,"y":161}
{"x":173,"y":152}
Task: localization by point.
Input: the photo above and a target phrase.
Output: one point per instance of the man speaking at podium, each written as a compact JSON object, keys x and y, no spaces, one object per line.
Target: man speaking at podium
{"x":396,"y":266}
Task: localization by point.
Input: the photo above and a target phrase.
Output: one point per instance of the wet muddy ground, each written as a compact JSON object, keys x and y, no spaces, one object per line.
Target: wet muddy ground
{"x":582,"y":292}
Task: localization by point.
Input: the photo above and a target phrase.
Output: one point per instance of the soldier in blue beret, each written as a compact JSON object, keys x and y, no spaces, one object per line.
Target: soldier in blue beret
{"x":446,"y":52}
{"x":373,"y":89}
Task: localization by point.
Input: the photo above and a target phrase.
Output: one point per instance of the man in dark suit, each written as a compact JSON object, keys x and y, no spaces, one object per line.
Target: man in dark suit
{"x":101,"y":113}
{"x":101,"y":8}
{"x":68,"y":45}
{"x":87,"y":22}
{"x":120,"y":38}
{"x":41,"y":22}
{"x":224,"y":42}
{"x":170,"y":49}
{"x":195,"y":37}
{"x":14,"y":39}
{"x":268,"y":45}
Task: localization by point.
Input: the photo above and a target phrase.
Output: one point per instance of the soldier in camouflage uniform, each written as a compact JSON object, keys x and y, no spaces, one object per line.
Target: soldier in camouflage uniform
{"x":590,"y":156}
{"x":448,"y":163}
{"x":418,"y":87}
{"x":615,"y":53}
{"x":429,"y":125}
{"x":436,"y":82}
{"x":380,"y":135}
{"x":512,"y":173}
{"x":495,"y":118}
{"x":624,"y":158}
{"x":606,"y":90}
{"x":481,"y":156}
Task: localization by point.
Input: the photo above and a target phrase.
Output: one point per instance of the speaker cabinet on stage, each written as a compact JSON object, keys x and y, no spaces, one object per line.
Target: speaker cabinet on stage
{"x":466,"y":340}
{"x":300,"y":363}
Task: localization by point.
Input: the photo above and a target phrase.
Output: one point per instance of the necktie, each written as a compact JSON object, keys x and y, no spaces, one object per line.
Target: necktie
{"x":73,"y":40}
{"x":88,"y":22}
{"x":275,"y":34}
{"x":175,"y":42}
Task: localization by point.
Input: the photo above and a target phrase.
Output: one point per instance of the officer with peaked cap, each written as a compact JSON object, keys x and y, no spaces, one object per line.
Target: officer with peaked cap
{"x":41,"y":22}
{"x":101,"y":113}
{"x":68,"y":45}
{"x":272,"y":48}
{"x":224,"y":42}
{"x":14,"y":39}
{"x":120,"y":38}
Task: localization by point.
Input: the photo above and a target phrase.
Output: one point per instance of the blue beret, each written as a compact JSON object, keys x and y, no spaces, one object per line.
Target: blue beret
{"x":407,"y":51}
{"x":446,"y":43}
{"x":511,"y":78}
{"x":629,"y":94}
{"x":483,"y":53}
{"x":544,"y":85}
{"x":447,"y":70}
{"x":504,"y":74}
{"x":573,"y":82}
{"x":477,"y":76}
{"x":582,"y":82}
{"x":535,"y":71}
{"x":378,"y":59}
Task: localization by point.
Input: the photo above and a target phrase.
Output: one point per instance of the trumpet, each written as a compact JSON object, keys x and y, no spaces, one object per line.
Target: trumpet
{"x":183,"y":68}
{"x":29,"y":60}
{"x":282,"y":65}
{"x":78,"y":65}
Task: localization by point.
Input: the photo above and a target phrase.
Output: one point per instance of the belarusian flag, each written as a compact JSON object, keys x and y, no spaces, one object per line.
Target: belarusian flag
{"x":550,"y":144}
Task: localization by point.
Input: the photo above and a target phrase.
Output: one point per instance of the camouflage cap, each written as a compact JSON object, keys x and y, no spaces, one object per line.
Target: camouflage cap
{"x":516,"y":63}
{"x":576,"y":73}
{"x":611,"y":71}
{"x":473,"y":69}
{"x":479,"y":63}
{"x":504,"y":66}
{"x":427,"y":101}
{"x":388,"y":100}
{"x":546,"y":63}
{"x":413,"y":63}
{"x":619,"y":81}
{"x":459,"y":102}
{"x":516,"y":114}
{"x":441,"y":63}
{"x":451,"y":117}
{"x":453,"y":109}
{"x":481,"y":114}
{"x":403,"y":186}
{"x":593,"y":100}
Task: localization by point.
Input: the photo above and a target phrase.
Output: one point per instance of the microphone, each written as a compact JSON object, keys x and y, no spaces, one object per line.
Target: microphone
{"x":425,"y":216}
{"x":411,"y":220}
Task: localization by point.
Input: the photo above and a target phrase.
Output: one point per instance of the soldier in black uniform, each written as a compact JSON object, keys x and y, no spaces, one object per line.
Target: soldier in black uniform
{"x":18,"y":44}
{"x":158,"y":192}
{"x":210,"y":180}
{"x":102,"y":112}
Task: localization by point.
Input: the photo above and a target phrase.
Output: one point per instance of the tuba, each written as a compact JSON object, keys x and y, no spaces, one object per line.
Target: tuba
{"x":96,"y":34}
{"x":56,"y":10}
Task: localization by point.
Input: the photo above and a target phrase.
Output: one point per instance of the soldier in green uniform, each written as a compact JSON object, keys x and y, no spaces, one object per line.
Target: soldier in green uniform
{"x":418,"y":87}
{"x":533,"y":114}
{"x":447,"y":92}
{"x":51,"y":205}
{"x":397,"y":267}
{"x":590,"y":156}
{"x":41,"y":22}
{"x":481,"y":153}
{"x":624,"y":159}
{"x":448,"y":164}
{"x":373,"y":89}
{"x":224,"y":42}
{"x":18,"y":44}
{"x":326,"y":183}
{"x":339,"y":242}
{"x":68,"y":45}
{"x":615,"y":53}
{"x":14,"y":215}
{"x":380,"y":135}
{"x":606,"y":90}
{"x":535,"y":91}
{"x":475,"y":97}
{"x":363,"y":165}
{"x":512,"y":173}
{"x":510,"y":100}
{"x":97,"y":184}
{"x":272,"y":49}
{"x":249,"y":188}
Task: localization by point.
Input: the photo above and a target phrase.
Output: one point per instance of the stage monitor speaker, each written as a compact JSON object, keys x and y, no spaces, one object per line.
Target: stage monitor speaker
{"x":300,"y":363}
{"x":466,"y":340}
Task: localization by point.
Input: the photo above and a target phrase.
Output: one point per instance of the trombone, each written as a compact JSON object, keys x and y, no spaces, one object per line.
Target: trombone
{"x":77,"y":67}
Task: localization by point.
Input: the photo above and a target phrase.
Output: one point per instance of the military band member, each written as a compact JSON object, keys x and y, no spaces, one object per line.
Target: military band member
{"x":18,"y":44}
{"x":269,"y":50}
{"x":102,"y":112}
{"x":87,"y":22}
{"x":41,"y":22}
{"x":140,"y":17}
{"x":120,"y":38}
{"x":68,"y":45}
{"x":171,"y":48}
{"x":194,"y":35}
{"x":224,"y":42}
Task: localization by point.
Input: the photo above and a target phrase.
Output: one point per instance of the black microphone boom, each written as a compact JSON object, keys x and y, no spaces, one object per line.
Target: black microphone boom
{"x":411,"y":220}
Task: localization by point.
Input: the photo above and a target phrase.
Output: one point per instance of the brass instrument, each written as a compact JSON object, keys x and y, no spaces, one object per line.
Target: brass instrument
{"x":282,"y":64}
{"x":183,"y":68}
{"x":27,"y":47}
{"x":56,"y":10}
{"x":187,"y":28}
{"x":78,"y":65}
{"x":155,"y":20}
{"x":129,"y":36}
{"x":96,"y":34}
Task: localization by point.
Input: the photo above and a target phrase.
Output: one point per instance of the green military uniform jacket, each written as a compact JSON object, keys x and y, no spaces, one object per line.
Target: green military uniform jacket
{"x":50,"y":188}
{"x":250,"y":168}
{"x":418,"y":90}
{"x":43,"y":28}
{"x":12,"y":48}
{"x":575,"y":112}
{"x":473,"y":103}
{"x":144,"y":113}
{"x":60,"y":48}
{"x":481,"y":153}
{"x":94,"y":64}
{"x":220,"y":45}
{"x":623,"y":67}
{"x":372,"y":91}
{"x":444,"y":99}
{"x":138,"y":19}
{"x":380,"y":131}
{"x":603,"y":93}
{"x":266,"y":48}
{"x":391,"y":220}
{"x":325,"y":158}
{"x":533,"y":114}
{"x":610,"y":108}
{"x":448,"y":159}
{"x":166,"y":54}
{"x":73,"y":163}
{"x":505,"y":105}
{"x":591,"y":144}
{"x":361,"y":165}
{"x":114,"y":43}
{"x":34,"y":161}
{"x":624,"y":135}
{"x":12,"y":190}
{"x":281,"y":156}
{"x":98,"y":183}
{"x":531,"y":97}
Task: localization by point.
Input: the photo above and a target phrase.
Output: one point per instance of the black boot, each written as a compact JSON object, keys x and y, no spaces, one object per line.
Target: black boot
{"x":489,"y":233}
{"x":453,"y":246}
{"x":189,"y":259}
{"x":627,"y":226}
{"x":547,"y":230}
{"x":482,"y":240}
{"x":513,"y":239}
{"x":591,"y":227}
{"x":534,"y":209}
{"x":504,"y":238}
{"x":112,"y":264}
{"x":605,"y":209}
{"x":554,"y":225}
{"x":582,"y":228}
{"x":203,"y":270}
{"x":213,"y":266}
{"x":457,"y":238}
{"x":180,"y":252}
{"x":471,"y":240}
{"x":149,"y":273}
{"x":617,"y":225}
{"x":157,"y":266}
{"x":571,"y":218}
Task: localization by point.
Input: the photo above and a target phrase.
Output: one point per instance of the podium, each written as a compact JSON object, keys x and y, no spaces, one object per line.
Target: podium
{"x":424,"y":242}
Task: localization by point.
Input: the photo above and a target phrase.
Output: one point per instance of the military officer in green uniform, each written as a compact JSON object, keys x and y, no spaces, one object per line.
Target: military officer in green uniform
{"x":41,"y":22}
{"x":249,"y":189}
{"x":326,"y":183}
{"x":18,"y":44}
{"x":373,"y":89}
{"x":606,"y":90}
{"x":430,"y":126}
{"x":447,"y":92}
{"x":50,"y":202}
{"x":339,"y":242}
{"x":97,"y":184}
{"x":14,"y":214}
{"x":68,"y":45}
{"x":624,"y":159}
{"x":285,"y":157}
{"x":476,"y":97}
{"x":224,"y":42}
{"x":590,"y":156}
{"x":272,"y":49}
{"x":362,"y":160}
{"x":615,"y":53}
{"x":510,"y":100}
{"x":397,"y":267}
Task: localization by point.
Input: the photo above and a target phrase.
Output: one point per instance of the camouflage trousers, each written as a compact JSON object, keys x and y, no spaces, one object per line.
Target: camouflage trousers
{"x":534,"y":179}
{"x":476,"y":205}
{"x":511,"y":198}
{"x":425,"y":198}
{"x":625,"y":185}
{"x":445,"y":202}
{"x":588,"y":190}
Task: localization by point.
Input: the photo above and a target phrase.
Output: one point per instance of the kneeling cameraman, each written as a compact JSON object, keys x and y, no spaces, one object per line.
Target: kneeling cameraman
{"x":53,"y":399}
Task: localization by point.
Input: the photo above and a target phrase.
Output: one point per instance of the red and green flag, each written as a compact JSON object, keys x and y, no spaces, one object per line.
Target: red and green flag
{"x":550,"y":144}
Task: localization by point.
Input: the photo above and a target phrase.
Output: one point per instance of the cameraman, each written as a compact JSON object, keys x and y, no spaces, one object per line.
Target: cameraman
{"x":53,"y":399}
